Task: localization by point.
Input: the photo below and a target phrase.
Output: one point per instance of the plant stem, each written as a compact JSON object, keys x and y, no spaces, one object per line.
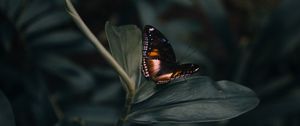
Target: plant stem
{"x":129,"y":87}
{"x":126,"y":111}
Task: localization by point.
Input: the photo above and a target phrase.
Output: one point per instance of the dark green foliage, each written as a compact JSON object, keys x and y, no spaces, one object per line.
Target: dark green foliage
{"x":37,"y":41}
{"x":50,"y":74}
{"x":6,"y":116}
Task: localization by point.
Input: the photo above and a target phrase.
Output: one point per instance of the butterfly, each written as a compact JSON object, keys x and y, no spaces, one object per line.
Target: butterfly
{"x":158,"y":59}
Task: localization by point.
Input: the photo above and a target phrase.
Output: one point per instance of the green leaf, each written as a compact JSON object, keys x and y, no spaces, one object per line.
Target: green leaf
{"x":126,"y":47}
{"x":195,"y":99}
{"x":6,"y":115}
{"x":77,"y":78}
{"x":55,"y":19}
{"x":42,"y":27}
{"x":147,"y":89}
{"x":58,"y":38}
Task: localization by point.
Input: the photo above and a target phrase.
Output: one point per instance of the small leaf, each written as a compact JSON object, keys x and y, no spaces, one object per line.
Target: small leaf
{"x":196,"y":99}
{"x":126,"y":47}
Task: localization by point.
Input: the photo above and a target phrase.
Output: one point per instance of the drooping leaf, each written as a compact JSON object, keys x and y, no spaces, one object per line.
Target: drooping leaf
{"x":273,"y":110}
{"x":41,"y":26}
{"x":6,"y":115}
{"x":45,"y":31}
{"x":31,"y":11}
{"x":196,"y":99}
{"x":54,"y":19}
{"x":126,"y":47}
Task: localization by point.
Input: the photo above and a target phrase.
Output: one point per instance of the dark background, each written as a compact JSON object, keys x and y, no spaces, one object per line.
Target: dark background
{"x":50,"y":74}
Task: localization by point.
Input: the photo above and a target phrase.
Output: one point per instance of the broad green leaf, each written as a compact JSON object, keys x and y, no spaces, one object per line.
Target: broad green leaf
{"x":146,"y":89}
{"x":195,"y":99}
{"x":126,"y":47}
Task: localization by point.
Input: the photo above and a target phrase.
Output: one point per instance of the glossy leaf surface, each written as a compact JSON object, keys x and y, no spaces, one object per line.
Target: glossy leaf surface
{"x":196,"y":99}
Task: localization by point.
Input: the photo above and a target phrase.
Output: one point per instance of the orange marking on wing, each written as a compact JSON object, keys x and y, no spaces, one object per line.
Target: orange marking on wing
{"x":164,"y":77}
{"x":177,"y":73}
{"x":153,"y":53}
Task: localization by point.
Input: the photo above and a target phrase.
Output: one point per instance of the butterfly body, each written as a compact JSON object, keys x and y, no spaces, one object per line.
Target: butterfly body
{"x":159,"y":61}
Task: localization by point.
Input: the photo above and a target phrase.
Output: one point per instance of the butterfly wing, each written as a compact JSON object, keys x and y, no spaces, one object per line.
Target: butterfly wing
{"x":156,"y":52}
{"x":159,"y":61}
{"x":175,"y":72}
{"x":156,"y":45}
{"x":157,"y":70}
{"x":185,"y":70}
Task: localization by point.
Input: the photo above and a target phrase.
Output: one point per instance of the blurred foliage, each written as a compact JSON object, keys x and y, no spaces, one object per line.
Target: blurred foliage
{"x":51,"y":75}
{"x":48,"y":69}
